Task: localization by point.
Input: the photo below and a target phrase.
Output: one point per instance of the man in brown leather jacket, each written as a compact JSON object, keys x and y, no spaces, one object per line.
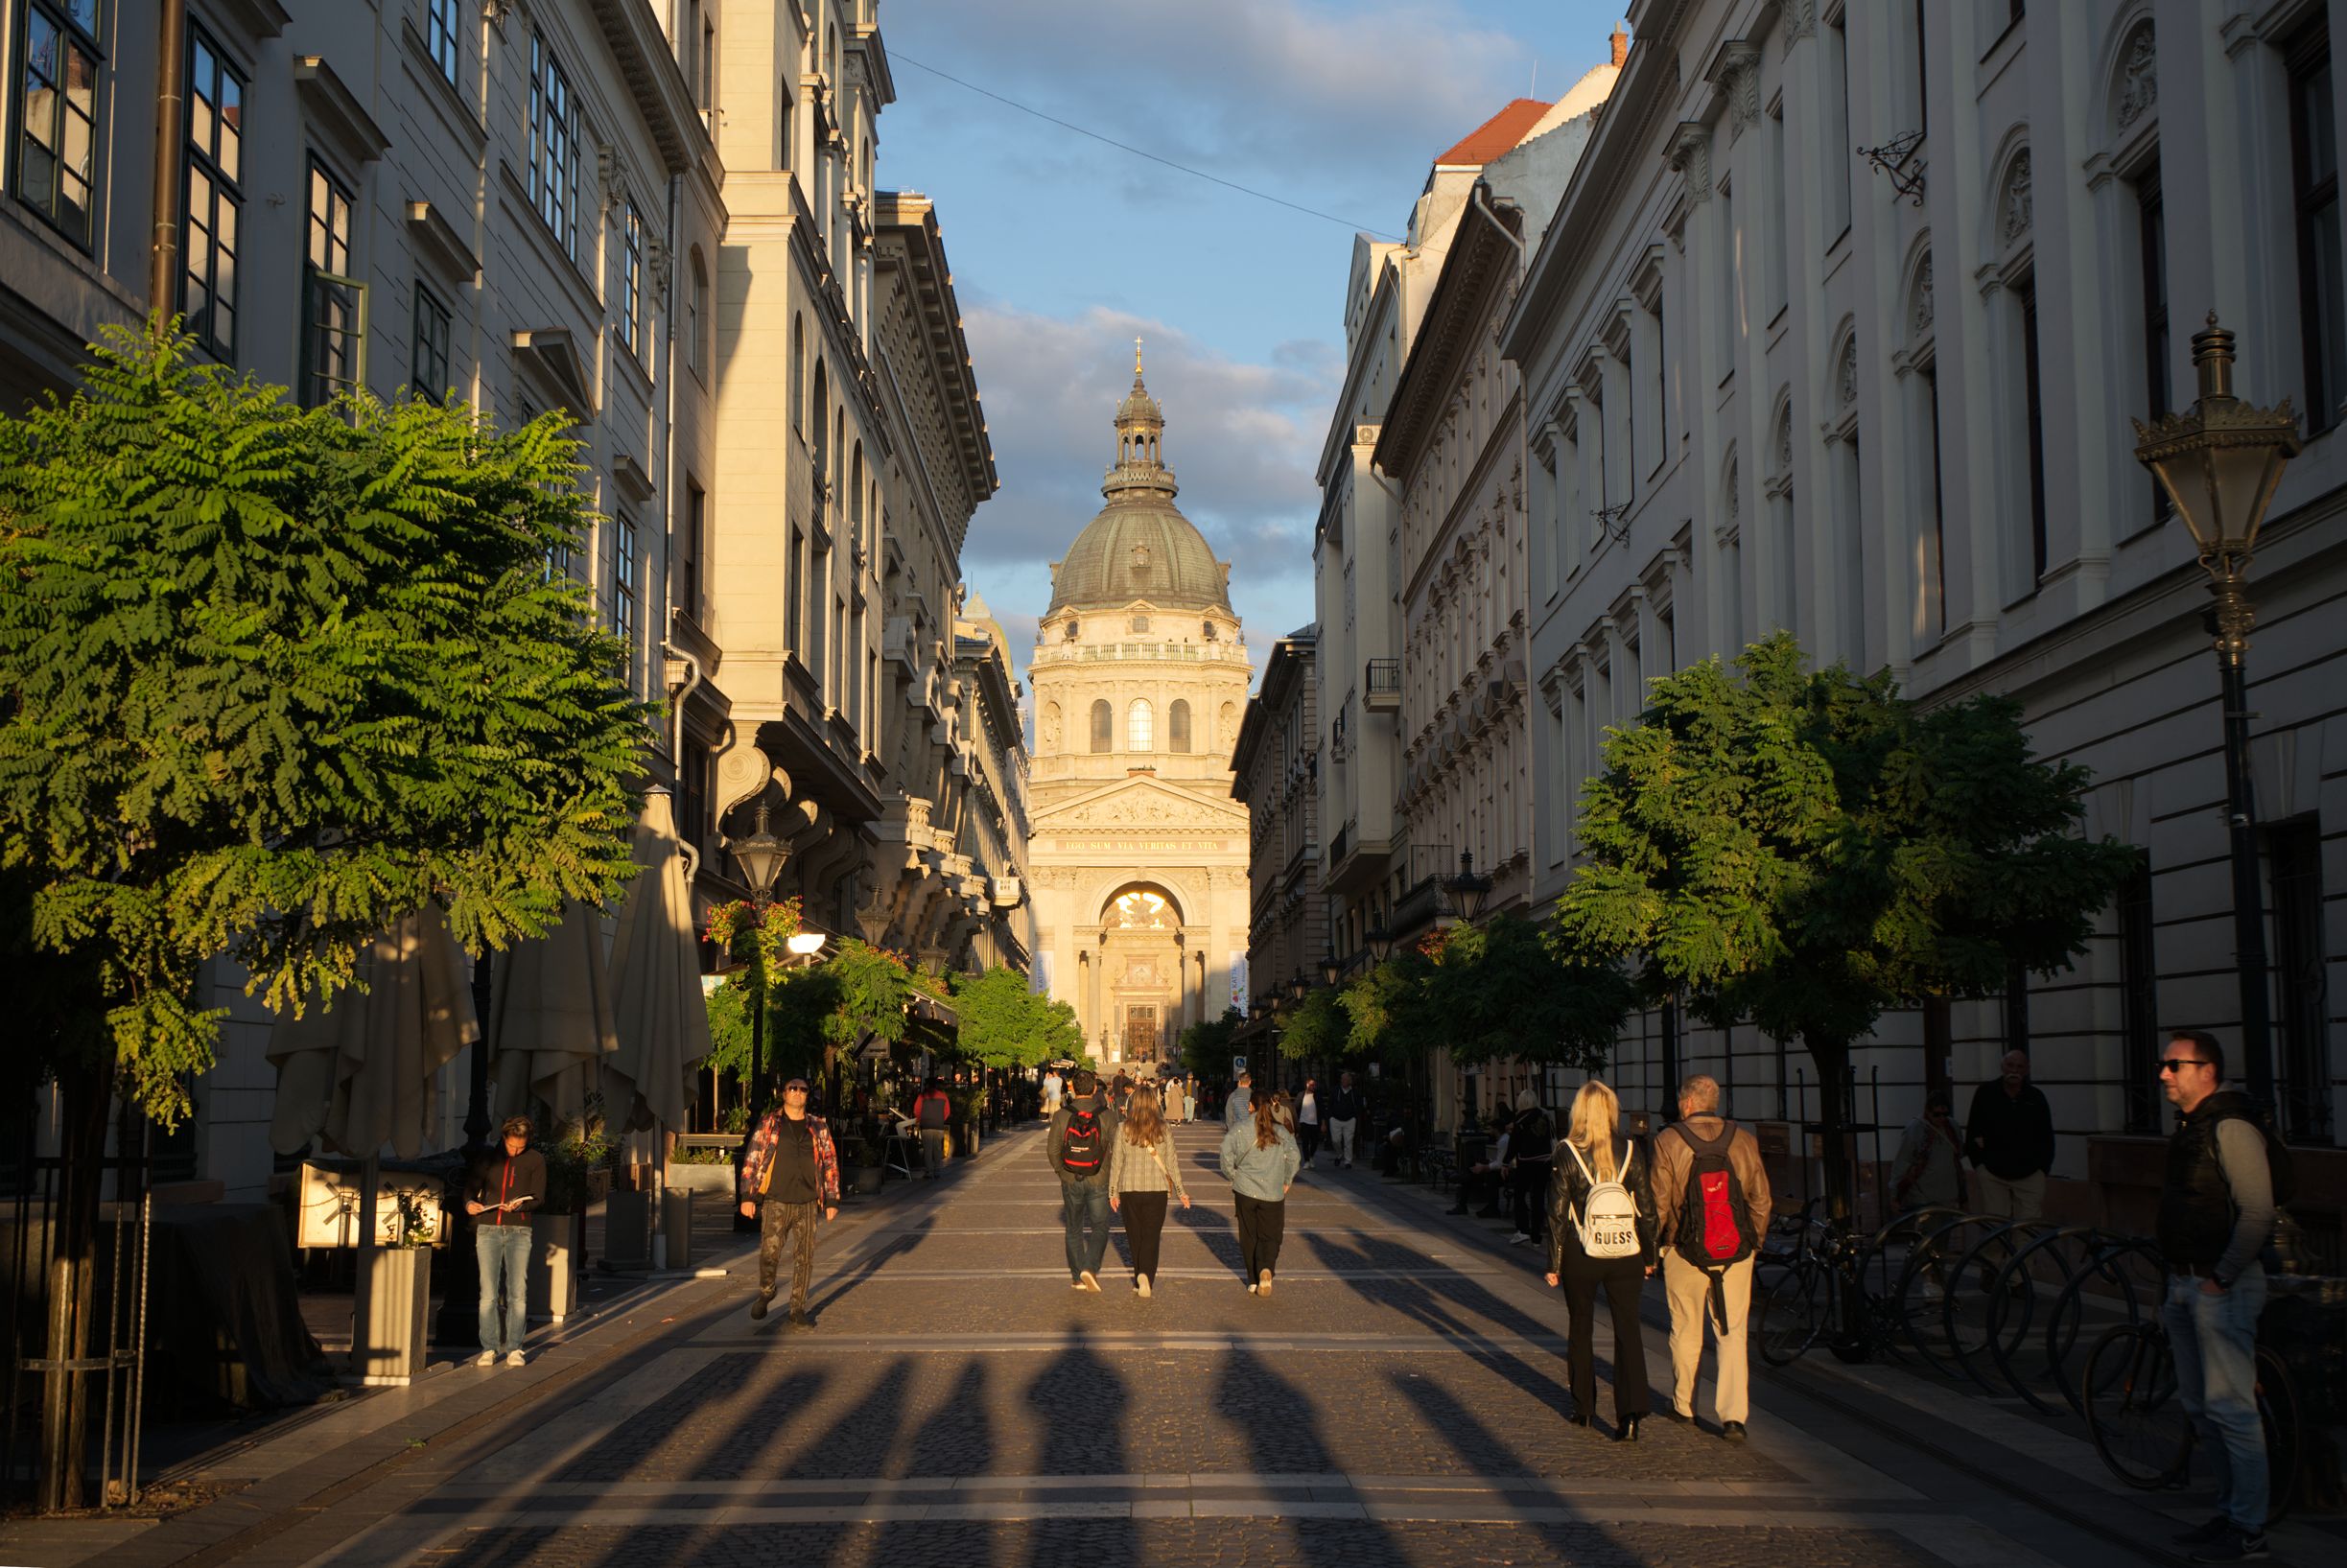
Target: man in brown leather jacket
{"x":1695,"y":1296}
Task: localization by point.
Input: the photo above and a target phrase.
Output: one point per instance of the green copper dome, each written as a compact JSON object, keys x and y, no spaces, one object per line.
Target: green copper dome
{"x":1140,"y":547}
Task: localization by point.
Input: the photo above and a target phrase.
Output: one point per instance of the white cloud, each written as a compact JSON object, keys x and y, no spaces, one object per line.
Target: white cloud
{"x":1241,"y":438}
{"x":1320,"y":93}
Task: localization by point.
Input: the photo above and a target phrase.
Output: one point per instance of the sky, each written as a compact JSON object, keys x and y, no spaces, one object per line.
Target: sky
{"x":1064,"y":250}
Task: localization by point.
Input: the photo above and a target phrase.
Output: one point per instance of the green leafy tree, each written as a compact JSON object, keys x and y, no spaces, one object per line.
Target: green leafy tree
{"x":1316,"y":1028}
{"x":1506,"y":988}
{"x":1805,"y":850}
{"x":1204,"y":1047}
{"x":275,"y":678}
{"x":1004,"y":1023}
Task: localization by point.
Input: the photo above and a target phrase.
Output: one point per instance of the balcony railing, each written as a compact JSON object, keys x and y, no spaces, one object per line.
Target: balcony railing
{"x":1381,"y":685}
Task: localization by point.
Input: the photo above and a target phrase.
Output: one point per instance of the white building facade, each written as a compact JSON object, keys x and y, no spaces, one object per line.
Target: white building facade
{"x":1752,"y":404}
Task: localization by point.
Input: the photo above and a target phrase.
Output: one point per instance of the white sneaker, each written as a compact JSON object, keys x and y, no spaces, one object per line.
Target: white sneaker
{"x":1263,"y":1285}
{"x":1090,"y":1281}
{"x":1250,"y":1287}
{"x":515,"y":1358}
{"x":487,"y":1358}
{"x":1519,"y":1239}
{"x":1140,"y":1282}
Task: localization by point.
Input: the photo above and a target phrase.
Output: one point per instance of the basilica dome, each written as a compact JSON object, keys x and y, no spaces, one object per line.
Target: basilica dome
{"x":1141,"y":548}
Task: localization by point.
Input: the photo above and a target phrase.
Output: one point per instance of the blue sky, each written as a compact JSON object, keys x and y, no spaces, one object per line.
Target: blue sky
{"x":1064,"y":250}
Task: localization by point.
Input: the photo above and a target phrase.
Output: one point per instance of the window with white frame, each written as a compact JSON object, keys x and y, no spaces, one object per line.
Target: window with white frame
{"x":553,"y":145}
{"x":626,"y":590}
{"x":697,"y":319}
{"x":209,"y":230}
{"x":440,"y":38}
{"x":59,"y":93}
{"x":1140,"y":726}
{"x":330,"y":324}
{"x":632,"y":301}
{"x":428,"y":358}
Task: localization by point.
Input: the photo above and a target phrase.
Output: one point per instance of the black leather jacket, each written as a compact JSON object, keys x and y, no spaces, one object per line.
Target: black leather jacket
{"x":1569,"y":1188}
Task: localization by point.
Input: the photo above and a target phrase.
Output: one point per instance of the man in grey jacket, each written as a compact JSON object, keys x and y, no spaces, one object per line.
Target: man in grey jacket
{"x":1081,"y":1135}
{"x":1241,"y":1104}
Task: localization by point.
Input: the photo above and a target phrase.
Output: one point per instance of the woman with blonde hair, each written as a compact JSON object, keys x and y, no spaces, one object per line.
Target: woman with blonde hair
{"x":1600,"y":1232}
{"x":1143,"y":1172}
{"x":1261,"y":1159}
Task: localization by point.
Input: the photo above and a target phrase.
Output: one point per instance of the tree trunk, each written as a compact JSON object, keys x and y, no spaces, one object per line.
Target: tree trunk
{"x":1835,"y":1115}
{"x":84,"y":1093}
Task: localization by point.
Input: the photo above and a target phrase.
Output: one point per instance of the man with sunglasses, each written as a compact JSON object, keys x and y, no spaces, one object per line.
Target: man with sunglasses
{"x":792,"y":1170}
{"x":2217,"y":1216}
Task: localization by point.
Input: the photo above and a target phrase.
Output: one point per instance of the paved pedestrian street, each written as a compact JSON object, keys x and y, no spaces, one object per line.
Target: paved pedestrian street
{"x":1399,"y":1399}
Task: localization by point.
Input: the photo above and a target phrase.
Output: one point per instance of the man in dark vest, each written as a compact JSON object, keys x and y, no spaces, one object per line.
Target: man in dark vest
{"x":2217,"y":1216}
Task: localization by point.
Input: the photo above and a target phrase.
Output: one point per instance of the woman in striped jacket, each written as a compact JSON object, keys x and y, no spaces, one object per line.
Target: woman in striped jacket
{"x":1143,"y":1173}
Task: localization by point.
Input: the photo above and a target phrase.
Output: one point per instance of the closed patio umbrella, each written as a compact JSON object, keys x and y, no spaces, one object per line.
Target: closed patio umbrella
{"x":656,"y":988}
{"x":360,"y":1072}
{"x":363,"y":1072}
{"x":549,"y":1018}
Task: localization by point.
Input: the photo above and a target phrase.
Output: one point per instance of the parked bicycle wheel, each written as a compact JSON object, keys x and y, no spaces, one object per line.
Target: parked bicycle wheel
{"x":2121,"y":1280}
{"x":2134,"y":1411}
{"x":1793,"y":1312}
{"x":2278,"y":1408}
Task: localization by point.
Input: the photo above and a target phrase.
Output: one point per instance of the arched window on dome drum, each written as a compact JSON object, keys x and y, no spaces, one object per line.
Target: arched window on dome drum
{"x":1176,"y":726}
{"x":1104,"y":725}
{"x":1140,"y":726}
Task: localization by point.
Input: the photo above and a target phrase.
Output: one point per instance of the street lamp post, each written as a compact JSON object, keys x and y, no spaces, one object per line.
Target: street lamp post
{"x":1468,"y":890}
{"x":761,"y":856}
{"x":2219,"y":461}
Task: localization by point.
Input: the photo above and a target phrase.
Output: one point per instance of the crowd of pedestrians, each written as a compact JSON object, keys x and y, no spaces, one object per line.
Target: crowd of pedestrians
{"x":1691,"y":1205}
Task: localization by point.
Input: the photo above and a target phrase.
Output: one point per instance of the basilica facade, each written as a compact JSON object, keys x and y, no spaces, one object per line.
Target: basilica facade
{"x":1138,"y":853}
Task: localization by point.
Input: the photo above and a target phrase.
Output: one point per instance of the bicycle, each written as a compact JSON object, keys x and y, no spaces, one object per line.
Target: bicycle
{"x":1882,"y":1269}
{"x":2135,"y":1413}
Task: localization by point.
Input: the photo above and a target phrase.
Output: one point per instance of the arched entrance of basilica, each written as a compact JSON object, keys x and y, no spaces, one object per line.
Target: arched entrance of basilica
{"x":1144,"y":977}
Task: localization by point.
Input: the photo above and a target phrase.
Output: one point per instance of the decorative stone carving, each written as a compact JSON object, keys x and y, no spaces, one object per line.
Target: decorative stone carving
{"x":1847,"y":383}
{"x":1690,"y":155}
{"x":1740,"y":78}
{"x":1798,"y":19}
{"x":1784,"y":444}
{"x":2015,"y":210}
{"x":1920,"y":314}
{"x":2139,"y":78}
{"x":1735,"y":490}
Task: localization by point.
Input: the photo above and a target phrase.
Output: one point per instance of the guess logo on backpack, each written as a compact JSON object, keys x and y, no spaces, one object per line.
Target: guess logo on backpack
{"x":1607,"y":1223}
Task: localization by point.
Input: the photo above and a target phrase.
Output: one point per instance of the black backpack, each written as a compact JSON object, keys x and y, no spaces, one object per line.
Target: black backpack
{"x":2279,"y":1171}
{"x":1080,"y":1143}
{"x":1715,"y":1227}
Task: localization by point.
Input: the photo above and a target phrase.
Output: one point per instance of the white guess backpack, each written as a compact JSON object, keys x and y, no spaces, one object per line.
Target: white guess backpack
{"x":1609,"y":1218}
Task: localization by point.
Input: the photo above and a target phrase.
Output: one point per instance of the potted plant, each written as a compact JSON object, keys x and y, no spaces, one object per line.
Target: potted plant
{"x":399,"y":1289}
{"x":867,"y":1156}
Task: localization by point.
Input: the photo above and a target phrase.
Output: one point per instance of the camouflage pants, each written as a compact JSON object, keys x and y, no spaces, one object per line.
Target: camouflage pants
{"x":798,"y":1222}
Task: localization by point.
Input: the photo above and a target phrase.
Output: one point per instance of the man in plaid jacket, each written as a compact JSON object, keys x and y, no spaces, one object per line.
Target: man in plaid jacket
{"x":793,"y":1171}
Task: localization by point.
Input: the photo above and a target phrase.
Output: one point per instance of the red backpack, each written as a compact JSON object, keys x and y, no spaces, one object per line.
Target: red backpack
{"x":1715,"y":1226}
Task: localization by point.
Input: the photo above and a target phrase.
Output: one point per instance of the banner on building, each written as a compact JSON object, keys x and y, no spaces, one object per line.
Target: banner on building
{"x":1238,"y":981}
{"x":1039,"y":978}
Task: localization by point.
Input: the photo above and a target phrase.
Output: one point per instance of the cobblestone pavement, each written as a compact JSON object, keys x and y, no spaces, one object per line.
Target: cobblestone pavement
{"x":1399,"y":1399}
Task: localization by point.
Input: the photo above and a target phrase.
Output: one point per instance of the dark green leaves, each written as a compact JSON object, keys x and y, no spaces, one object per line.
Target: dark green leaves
{"x":279,"y":676}
{"x":1805,"y":850}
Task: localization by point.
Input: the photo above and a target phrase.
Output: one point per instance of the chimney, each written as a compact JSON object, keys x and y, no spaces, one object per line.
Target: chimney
{"x":1621,"y":45}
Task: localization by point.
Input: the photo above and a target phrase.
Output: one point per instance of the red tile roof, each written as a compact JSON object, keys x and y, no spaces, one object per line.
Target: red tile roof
{"x":1495,"y":137}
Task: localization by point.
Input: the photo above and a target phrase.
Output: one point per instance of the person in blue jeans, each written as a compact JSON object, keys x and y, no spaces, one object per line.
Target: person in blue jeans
{"x":1081,"y":1135}
{"x":500,"y":1193}
{"x":2217,"y":1217}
